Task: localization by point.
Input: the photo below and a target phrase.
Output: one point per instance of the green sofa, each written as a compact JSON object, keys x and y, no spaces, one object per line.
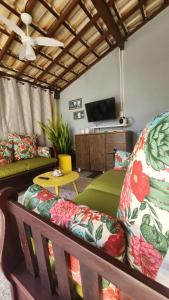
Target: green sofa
{"x":103,"y":193}
{"x":20,"y":174}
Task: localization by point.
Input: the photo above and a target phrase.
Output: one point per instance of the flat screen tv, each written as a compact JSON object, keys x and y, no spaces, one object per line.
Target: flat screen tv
{"x":101,"y":110}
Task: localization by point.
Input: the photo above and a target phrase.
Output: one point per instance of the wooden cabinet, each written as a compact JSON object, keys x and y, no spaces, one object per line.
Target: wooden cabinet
{"x":95,"y":151}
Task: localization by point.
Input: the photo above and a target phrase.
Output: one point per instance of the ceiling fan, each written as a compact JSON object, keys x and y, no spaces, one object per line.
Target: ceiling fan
{"x":29,"y":43}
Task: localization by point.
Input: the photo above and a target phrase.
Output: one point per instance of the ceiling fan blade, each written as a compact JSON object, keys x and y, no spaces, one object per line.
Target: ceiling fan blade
{"x":44,"y":41}
{"x":22,"y":52}
{"x":29,"y":52}
{"x":11,"y":25}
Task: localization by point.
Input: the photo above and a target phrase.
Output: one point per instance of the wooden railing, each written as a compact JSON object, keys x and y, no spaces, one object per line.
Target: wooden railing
{"x":29,"y":269}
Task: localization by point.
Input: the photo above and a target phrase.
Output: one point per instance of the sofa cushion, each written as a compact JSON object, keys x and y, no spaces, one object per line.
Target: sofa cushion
{"x":121,"y":160}
{"x":144,"y":203}
{"x":98,"y":229}
{"x":24,"y":145}
{"x":6,"y":152}
{"x":25,"y":165}
{"x":110,"y":182}
{"x":43,"y":151}
{"x":98,"y":200}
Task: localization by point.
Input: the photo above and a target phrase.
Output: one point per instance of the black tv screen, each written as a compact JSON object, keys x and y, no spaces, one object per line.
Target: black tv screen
{"x":101,"y":110}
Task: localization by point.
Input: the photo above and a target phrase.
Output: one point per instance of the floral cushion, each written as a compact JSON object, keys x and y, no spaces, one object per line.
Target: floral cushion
{"x":144,"y":203}
{"x":99,"y":229}
{"x":121,"y":160}
{"x":43,"y":151}
{"x":6,"y":152}
{"x":24,"y":145}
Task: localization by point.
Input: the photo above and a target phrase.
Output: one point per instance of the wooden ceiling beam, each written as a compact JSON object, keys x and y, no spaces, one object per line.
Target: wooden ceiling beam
{"x":153,"y":15}
{"x":91,"y":65}
{"x":41,"y":53}
{"x":132,"y":11}
{"x":93,"y":21}
{"x":82,"y":56}
{"x":112,"y":3}
{"x":34,"y":66}
{"x":69,"y":46}
{"x":68,"y":27}
{"x":4,"y":74}
{"x":107,"y":17}
{"x":142,"y":9}
{"x":53,"y":28}
{"x":28,"y":8}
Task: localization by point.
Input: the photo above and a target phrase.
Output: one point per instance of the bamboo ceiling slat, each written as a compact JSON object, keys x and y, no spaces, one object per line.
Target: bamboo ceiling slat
{"x":89,"y":29}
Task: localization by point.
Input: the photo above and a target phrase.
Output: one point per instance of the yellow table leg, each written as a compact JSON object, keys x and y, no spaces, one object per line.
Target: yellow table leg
{"x":57,"y":190}
{"x":75,"y":187}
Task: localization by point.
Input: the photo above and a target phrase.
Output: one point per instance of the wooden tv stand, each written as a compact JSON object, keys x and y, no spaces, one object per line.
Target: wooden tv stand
{"x":94,"y":151}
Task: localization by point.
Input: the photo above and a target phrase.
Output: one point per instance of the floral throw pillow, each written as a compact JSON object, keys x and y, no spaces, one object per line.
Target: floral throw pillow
{"x":43,"y":151}
{"x":121,"y":160}
{"x":144,"y":203}
{"x":6,"y":152}
{"x":24,"y":146}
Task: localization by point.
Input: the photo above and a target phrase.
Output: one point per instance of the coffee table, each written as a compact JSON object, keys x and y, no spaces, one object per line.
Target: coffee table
{"x":54,"y":181}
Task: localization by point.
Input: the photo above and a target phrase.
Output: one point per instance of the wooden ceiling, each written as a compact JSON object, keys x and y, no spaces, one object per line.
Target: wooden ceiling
{"x":89,"y":29}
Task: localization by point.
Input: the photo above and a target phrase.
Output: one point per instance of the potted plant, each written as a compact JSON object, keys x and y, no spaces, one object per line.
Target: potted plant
{"x":58,"y":135}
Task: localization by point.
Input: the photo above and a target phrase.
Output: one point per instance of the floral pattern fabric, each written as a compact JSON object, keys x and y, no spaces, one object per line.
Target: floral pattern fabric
{"x":24,"y":146}
{"x":6,"y":153}
{"x":121,"y":160}
{"x":43,"y":152}
{"x":96,"y":228}
{"x":144,"y":203}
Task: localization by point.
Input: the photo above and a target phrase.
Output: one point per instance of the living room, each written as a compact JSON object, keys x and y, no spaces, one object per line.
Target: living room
{"x":87,"y":63}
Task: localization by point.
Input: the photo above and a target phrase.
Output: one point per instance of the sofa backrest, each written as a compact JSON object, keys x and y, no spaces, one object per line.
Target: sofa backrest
{"x":144,"y":203}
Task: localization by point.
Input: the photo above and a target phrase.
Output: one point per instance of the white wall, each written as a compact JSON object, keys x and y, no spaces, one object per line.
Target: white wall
{"x":146,"y":77}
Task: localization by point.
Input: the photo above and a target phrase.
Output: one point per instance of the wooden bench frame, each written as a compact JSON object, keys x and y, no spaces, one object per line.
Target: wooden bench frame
{"x":31,"y":275}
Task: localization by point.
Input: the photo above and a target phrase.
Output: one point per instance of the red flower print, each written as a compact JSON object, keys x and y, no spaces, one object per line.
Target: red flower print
{"x":145,"y":256}
{"x":125,"y":199}
{"x":89,"y":214}
{"x":63,"y":211}
{"x":142,"y":140}
{"x":74,"y":262}
{"x":139,"y":182}
{"x":115,"y":245}
{"x":44,"y":195}
{"x":111,"y":294}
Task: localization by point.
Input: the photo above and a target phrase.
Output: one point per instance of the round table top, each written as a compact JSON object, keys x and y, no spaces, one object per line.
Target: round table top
{"x":66,"y":178}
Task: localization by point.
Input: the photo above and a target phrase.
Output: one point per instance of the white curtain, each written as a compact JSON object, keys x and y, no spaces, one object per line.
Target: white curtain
{"x":22,"y":106}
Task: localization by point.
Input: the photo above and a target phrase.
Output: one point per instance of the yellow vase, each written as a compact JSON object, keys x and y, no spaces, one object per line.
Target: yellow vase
{"x":65,"y":162}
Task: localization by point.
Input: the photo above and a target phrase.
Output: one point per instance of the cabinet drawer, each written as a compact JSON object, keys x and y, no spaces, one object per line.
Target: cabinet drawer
{"x":109,"y":161}
{"x":111,"y":146}
{"x":117,"y":137}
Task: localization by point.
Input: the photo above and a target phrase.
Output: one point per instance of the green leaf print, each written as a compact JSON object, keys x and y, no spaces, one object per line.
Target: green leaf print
{"x":99,"y":232}
{"x":110,"y":226}
{"x":156,"y":148}
{"x":159,"y":194}
{"x":31,"y":202}
{"x":154,"y":237}
{"x":89,"y":238}
{"x":146,"y":219}
{"x":134,"y":213}
{"x":90,"y":227}
{"x":105,"y":283}
{"x":44,"y":208}
{"x":143,"y":205}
